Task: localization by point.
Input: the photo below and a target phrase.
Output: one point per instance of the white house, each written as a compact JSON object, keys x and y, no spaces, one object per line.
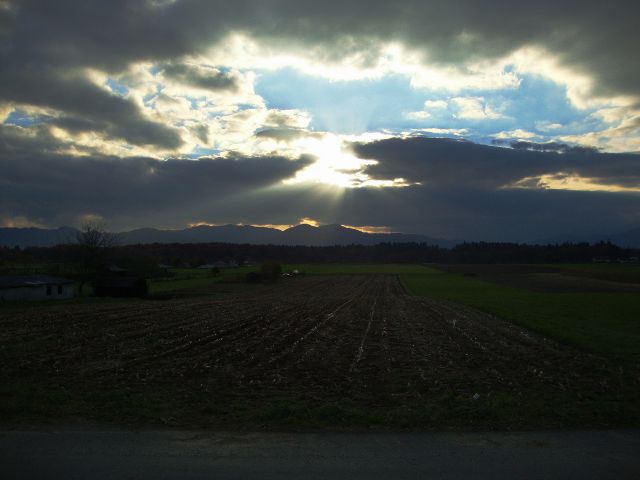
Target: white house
{"x":34,"y":287}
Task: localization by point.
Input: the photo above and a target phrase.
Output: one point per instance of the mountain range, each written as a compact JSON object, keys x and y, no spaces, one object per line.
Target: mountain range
{"x":299,"y":235}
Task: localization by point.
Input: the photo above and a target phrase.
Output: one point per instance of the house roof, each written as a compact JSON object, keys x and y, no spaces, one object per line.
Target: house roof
{"x":17,"y":281}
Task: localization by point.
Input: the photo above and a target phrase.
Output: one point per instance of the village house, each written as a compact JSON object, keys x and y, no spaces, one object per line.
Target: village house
{"x":34,"y":288}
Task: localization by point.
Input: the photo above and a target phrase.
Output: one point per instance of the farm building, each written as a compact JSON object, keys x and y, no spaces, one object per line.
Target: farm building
{"x":34,"y":288}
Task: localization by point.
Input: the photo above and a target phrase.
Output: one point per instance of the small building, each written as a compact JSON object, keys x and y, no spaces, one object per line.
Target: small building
{"x":34,"y":288}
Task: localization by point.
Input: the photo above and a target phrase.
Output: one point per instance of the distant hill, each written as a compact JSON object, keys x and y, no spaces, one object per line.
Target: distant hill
{"x":201,"y":234}
{"x":325,"y":235}
{"x":299,"y":235}
{"x":36,"y":237}
{"x":340,"y":235}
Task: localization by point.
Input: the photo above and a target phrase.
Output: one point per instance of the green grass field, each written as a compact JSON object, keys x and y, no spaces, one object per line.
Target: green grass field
{"x":615,"y":272}
{"x":606,"y":323}
{"x":190,"y":278}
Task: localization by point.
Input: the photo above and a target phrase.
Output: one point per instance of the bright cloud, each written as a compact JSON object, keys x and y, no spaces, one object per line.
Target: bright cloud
{"x":516,"y":134}
{"x":336,"y":166}
{"x":474,"y":108}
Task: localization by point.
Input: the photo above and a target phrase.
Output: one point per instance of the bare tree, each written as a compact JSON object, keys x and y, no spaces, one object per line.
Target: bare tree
{"x":93,"y":236}
{"x":94,"y":242}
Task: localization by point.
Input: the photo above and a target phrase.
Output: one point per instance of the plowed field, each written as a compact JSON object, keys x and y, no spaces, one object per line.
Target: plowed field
{"x":359,"y":341}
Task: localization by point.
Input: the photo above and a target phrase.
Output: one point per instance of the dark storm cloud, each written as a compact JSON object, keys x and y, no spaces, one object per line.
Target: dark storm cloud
{"x":554,"y":147}
{"x":208,"y":79}
{"x":58,"y":188}
{"x":15,"y":141}
{"x":446,"y":212}
{"x":440,"y":161}
{"x":55,"y":189}
{"x":596,"y":37}
{"x":85,"y":106}
{"x":500,"y":214}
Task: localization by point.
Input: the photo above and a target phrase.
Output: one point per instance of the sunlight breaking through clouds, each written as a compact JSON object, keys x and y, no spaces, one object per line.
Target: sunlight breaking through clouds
{"x":284,"y":97}
{"x":571,"y":182}
{"x":335,"y":166}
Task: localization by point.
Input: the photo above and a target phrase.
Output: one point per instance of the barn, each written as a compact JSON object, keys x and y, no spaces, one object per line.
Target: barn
{"x":34,"y":288}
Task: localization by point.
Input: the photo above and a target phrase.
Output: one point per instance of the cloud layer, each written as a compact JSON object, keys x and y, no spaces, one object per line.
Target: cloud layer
{"x":463,"y":191}
{"x":58,"y":57}
{"x":441,"y":162}
{"x":168,"y":112}
{"x":595,"y":37}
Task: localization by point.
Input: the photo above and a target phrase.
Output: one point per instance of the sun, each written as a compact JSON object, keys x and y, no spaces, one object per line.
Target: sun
{"x":336,"y":166}
{"x":333,"y":166}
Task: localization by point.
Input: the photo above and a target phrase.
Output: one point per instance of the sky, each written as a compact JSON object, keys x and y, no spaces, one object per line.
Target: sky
{"x":494,"y":120}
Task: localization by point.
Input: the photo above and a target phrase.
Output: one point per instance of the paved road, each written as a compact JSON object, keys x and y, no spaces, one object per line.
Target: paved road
{"x":91,"y":454}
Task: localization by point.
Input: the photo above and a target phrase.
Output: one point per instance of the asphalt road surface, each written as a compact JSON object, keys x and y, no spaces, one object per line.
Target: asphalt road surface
{"x":119,"y":454}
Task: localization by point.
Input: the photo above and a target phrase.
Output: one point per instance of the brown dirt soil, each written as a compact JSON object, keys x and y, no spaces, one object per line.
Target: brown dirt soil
{"x":360,"y":339}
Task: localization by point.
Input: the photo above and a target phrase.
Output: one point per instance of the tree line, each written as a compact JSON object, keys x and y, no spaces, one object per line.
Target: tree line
{"x":190,"y":255}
